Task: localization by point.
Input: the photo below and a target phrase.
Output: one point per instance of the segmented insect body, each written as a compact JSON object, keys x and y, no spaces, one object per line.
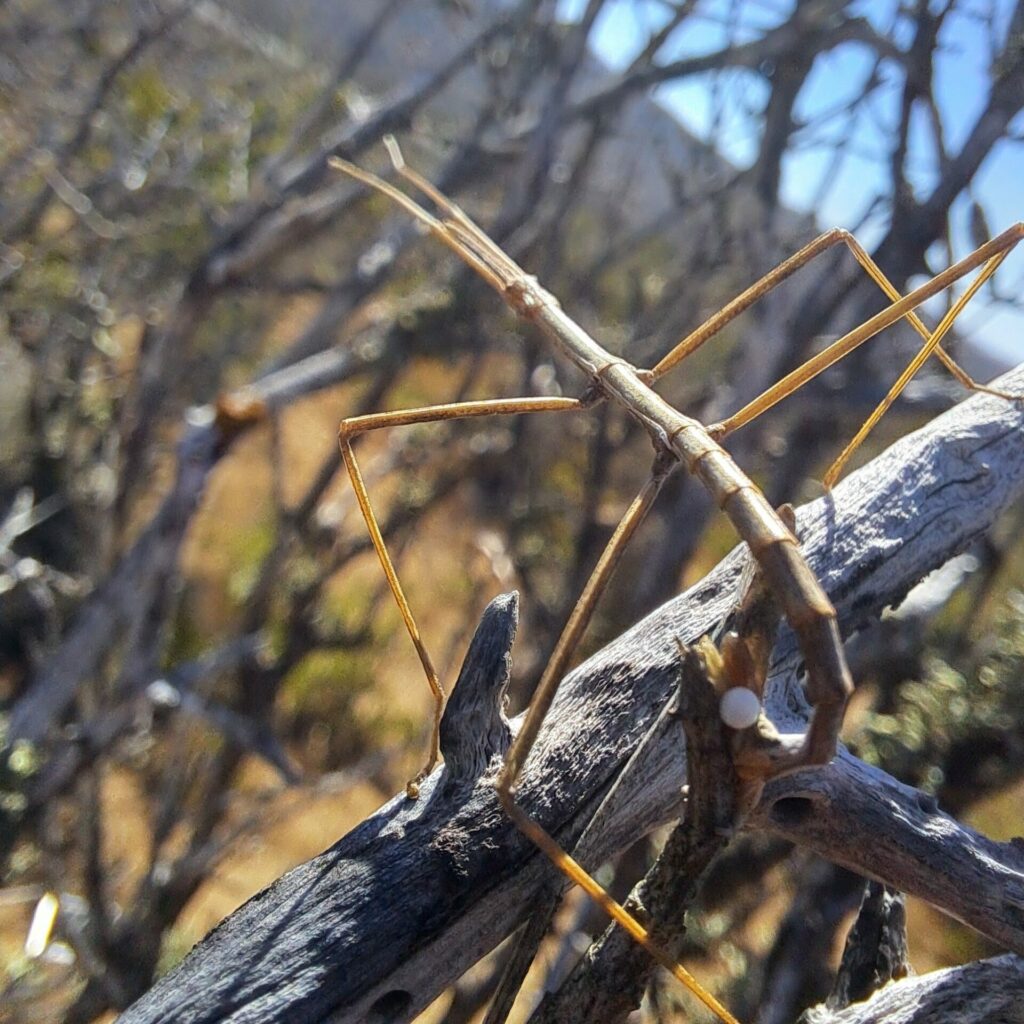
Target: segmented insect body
{"x":677,"y":439}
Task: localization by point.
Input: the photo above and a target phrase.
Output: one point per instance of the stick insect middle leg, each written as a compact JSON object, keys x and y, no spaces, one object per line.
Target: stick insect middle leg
{"x":356,"y":425}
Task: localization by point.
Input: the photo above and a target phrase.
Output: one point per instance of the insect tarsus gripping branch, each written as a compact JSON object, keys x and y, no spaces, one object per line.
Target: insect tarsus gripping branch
{"x":784,"y":572}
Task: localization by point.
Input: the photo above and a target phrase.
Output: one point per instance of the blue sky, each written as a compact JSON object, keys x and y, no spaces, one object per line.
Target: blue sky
{"x":843,"y":195}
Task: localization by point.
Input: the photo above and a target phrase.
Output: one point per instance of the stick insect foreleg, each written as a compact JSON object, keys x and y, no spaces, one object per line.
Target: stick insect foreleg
{"x":356,"y":425}
{"x":931,"y":344}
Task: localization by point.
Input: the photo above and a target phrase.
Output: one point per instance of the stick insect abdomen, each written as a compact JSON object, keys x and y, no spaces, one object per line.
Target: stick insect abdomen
{"x":772,"y":544}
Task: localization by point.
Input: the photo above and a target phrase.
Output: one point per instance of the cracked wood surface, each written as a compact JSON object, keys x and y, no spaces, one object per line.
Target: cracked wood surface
{"x":379,"y":924}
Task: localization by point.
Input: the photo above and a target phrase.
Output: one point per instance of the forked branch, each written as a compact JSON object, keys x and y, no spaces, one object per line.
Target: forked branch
{"x":609,"y":982}
{"x":382,"y":922}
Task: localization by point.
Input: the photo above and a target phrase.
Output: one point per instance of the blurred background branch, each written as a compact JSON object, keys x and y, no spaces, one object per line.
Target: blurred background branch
{"x":202,"y":678}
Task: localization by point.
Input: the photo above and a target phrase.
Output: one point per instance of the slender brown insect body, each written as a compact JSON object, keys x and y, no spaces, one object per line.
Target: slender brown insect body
{"x":677,"y":439}
{"x":776,"y":549}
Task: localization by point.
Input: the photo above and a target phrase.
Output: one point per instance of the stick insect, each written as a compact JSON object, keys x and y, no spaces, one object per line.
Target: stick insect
{"x":677,"y":439}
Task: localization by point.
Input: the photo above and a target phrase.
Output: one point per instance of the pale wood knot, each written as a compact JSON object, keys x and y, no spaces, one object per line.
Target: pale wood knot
{"x":474,"y":729}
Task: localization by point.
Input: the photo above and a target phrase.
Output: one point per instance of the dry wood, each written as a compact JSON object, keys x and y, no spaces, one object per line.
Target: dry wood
{"x":978,"y":993}
{"x":876,"y":949}
{"x":378,"y":925}
{"x":609,"y":982}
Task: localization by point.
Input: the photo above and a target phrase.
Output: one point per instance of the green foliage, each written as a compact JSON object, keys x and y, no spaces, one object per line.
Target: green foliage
{"x":175,"y":944}
{"x":958,"y":720}
{"x":187,"y":639}
{"x":247,"y":550}
{"x":147,"y":97}
{"x":18,"y":766}
{"x":323,"y":709}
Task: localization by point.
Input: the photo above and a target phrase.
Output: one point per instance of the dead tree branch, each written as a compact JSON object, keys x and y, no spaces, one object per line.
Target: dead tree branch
{"x":381,"y":922}
{"x":988,"y":990}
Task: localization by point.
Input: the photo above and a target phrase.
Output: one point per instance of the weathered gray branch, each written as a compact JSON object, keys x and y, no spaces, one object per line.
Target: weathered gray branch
{"x":376,"y":926}
{"x":122,"y":603}
{"x":978,"y":993}
{"x":862,"y":819}
{"x":609,"y":982}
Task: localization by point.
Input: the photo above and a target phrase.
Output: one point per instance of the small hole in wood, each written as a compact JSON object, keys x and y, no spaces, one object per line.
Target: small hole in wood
{"x":391,"y":1006}
{"x":791,"y":811}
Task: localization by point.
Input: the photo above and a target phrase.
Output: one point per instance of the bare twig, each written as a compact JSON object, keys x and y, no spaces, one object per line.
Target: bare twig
{"x":876,"y":948}
{"x":610,"y":980}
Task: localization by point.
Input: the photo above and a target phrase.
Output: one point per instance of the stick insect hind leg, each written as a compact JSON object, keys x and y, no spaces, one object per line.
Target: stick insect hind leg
{"x":988,"y":257}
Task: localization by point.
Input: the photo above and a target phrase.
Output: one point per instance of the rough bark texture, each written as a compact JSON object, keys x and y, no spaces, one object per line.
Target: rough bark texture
{"x":609,"y":982}
{"x":990,"y":991}
{"x":378,"y":925}
{"x":876,"y":948}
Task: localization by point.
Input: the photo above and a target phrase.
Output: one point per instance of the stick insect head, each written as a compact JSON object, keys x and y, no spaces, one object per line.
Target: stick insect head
{"x":453,"y":227}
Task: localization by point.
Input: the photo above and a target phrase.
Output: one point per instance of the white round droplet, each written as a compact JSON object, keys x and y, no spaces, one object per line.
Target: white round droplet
{"x":739,"y":707}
